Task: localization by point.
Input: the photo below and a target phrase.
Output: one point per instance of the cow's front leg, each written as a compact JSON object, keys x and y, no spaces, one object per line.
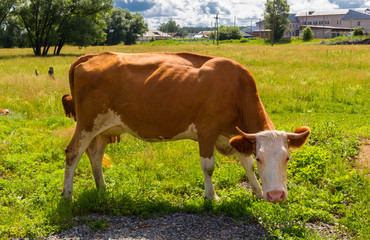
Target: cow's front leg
{"x":207,"y":162}
{"x":208,"y":166}
{"x":248,"y":165}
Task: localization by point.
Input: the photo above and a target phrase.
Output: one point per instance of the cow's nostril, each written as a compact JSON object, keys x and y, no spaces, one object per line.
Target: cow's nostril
{"x":275,"y":196}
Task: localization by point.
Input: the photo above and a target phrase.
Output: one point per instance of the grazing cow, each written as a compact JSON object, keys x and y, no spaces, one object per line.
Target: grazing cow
{"x":173,"y":96}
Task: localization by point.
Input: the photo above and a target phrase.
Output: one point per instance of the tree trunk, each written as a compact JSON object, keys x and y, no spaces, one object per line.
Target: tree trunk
{"x":60,"y":45}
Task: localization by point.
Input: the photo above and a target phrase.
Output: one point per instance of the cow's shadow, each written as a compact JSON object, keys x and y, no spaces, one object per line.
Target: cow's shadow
{"x":122,"y":216}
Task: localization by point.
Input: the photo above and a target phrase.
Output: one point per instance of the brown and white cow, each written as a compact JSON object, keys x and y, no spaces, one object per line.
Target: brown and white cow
{"x":173,"y":96}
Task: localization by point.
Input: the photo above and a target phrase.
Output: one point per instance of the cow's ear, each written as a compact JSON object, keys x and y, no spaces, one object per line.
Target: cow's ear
{"x":299,"y":137}
{"x":243,"y":145}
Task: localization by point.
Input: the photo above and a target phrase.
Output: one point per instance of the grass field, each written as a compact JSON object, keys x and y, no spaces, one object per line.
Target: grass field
{"x":324,"y":87}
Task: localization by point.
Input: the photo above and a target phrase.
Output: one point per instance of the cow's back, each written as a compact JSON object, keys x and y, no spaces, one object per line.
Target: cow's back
{"x":157,"y":94}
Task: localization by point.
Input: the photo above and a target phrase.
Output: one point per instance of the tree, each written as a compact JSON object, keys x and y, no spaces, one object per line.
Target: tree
{"x":307,"y":34}
{"x":12,"y":34}
{"x":92,"y":33}
{"x":47,"y":21}
{"x":276,"y":18}
{"x":358,"y":31}
{"x":229,"y":32}
{"x":169,"y":27}
{"x":184,"y":34}
{"x":5,"y":8}
{"x":123,"y":26}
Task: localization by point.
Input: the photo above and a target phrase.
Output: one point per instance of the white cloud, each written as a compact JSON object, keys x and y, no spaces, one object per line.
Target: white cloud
{"x":202,"y":12}
{"x":306,"y":5}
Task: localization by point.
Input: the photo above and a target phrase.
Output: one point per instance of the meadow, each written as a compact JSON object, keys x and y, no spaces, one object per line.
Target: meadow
{"x":324,"y":87}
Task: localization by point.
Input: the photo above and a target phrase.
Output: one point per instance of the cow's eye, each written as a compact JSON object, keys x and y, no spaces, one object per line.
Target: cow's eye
{"x":257,"y":159}
{"x":287,"y":158}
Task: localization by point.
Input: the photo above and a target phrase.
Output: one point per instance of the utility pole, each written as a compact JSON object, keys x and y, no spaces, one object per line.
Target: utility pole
{"x":213,"y":38}
{"x":251,"y":27}
{"x":217,"y":18}
{"x":273,"y":23}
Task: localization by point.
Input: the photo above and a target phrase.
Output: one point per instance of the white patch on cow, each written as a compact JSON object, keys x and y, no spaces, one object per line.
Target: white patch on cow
{"x":208,"y":166}
{"x":272,"y":151}
{"x":190,"y":133}
{"x":102,"y":122}
{"x":110,"y":123}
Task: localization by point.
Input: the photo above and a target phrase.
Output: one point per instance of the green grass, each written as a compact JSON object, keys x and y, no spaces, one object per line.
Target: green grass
{"x":324,"y":87}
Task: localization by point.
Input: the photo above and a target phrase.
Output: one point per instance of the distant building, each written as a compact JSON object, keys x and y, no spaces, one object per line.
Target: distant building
{"x":324,"y":24}
{"x":202,"y":34}
{"x":156,"y":34}
{"x":248,"y":31}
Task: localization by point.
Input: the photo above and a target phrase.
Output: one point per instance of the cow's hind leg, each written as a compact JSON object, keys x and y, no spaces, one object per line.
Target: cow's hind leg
{"x":95,"y":151}
{"x":78,"y":145}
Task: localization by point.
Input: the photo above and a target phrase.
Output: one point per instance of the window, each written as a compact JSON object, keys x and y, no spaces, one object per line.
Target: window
{"x":358,"y":23}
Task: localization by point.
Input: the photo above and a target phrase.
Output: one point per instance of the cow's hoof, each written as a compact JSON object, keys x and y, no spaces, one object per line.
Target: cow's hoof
{"x":259,"y":195}
{"x":213,"y":197}
{"x":67,"y":197}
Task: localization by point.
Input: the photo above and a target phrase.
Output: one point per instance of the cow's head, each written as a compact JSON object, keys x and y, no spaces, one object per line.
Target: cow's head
{"x":271,"y":149}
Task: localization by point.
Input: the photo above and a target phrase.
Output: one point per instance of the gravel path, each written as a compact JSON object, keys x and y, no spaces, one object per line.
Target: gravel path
{"x":172,"y":226}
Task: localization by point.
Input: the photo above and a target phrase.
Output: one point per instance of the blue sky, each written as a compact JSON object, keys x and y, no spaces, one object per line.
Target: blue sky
{"x":202,"y":12}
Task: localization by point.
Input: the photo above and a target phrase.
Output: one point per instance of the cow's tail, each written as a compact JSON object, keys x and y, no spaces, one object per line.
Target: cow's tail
{"x":68,"y":99}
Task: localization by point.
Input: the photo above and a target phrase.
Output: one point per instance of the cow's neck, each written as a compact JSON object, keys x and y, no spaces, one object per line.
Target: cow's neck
{"x":255,"y":118}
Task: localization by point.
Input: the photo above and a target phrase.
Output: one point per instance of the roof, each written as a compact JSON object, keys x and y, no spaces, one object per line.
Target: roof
{"x":329,"y":27}
{"x":155,"y":33}
{"x":355,"y":15}
{"x":322,"y":12}
{"x":248,"y":29}
{"x":292,"y":18}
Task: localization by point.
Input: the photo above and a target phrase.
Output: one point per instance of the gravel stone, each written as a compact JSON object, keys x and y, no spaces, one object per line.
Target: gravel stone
{"x":172,"y":226}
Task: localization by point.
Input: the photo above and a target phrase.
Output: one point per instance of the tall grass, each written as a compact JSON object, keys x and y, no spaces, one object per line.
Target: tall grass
{"x":324,"y":87}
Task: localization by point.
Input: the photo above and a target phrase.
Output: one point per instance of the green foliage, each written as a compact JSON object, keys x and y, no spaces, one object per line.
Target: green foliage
{"x":5,"y":8}
{"x":169,"y":27}
{"x":341,"y":40}
{"x":123,"y":26}
{"x":358,"y":31}
{"x":308,"y":165}
{"x":307,"y":34}
{"x":229,"y":32}
{"x":54,"y":23}
{"x":276,"y":16}
{"x":92,"y":32}
{"x":13,"y":34}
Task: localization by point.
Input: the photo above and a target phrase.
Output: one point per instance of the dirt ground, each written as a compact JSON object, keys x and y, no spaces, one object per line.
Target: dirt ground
{"x":364,"y":157}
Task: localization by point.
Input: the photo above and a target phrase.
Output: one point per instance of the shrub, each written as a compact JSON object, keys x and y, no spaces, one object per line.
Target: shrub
{"x":229,"y":32}
{"x":307,"y":34}
{"x":358,"y":31}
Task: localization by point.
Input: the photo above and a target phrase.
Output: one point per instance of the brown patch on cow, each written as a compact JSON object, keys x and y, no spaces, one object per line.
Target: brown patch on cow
{"x":68,"y":106}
